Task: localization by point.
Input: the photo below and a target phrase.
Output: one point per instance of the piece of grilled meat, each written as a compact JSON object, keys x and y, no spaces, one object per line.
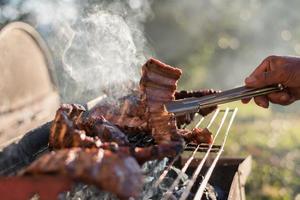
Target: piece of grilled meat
{"x":157,"y":86}
{"x":99,"y":151}
{"x":144,"y":110}
{"x":70,"y":128}
{"x":117,"y":173}
{"x":197,"y":135}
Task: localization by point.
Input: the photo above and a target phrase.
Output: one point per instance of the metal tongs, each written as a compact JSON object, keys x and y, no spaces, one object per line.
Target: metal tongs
{"x":193,"y":104}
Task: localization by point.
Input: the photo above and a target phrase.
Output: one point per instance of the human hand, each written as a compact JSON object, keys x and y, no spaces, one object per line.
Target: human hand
{"x":276,"y":70}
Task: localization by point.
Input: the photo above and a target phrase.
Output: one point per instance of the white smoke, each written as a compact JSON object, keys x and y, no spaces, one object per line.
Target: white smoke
{"x":98,"y":45}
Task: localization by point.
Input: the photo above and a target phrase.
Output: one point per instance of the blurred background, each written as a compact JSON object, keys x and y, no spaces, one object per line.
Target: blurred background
{"x":99,"y":46}
{"x":218,"y":43}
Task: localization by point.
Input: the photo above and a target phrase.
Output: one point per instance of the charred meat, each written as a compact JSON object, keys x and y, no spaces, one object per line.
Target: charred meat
{"x":71,"y":129}
{"x":93,"y":147}
{"x":145,"y":111}
{"x":158,"y":85}
{"x":116,"y":173}
{"x":197,"y":135}
{"x":75,"y":130}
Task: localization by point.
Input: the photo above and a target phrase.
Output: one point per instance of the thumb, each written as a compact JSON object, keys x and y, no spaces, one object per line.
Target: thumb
{"x":263,"y":79}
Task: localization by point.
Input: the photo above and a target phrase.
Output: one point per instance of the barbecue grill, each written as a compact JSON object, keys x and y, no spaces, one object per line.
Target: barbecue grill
{"x":201,"y":164}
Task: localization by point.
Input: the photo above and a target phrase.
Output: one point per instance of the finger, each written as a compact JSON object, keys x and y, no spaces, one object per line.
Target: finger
{"x":279,"y":97}
{"x":245,"y":101}
{"x":282,"y":98}
{"x":263,"y":75}
{"x":262,"y":67}
{"x":264,"y":79}
{"x":262,"y":101}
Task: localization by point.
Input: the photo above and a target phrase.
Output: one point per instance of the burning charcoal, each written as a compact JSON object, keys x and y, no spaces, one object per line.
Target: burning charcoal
{"x":82,"y":191}
{"x":152,"y":170}
{"x":220,"y":193}
{"x":209,"y":193}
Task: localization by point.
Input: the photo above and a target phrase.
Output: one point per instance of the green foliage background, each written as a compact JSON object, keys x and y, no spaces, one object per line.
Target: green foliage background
{"x":218,"y":43}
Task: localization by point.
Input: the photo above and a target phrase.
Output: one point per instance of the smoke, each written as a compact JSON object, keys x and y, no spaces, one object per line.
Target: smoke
{"x":98,"y":45}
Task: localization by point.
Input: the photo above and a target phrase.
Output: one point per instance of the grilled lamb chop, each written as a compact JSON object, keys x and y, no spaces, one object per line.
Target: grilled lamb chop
{"x":114,"y":172}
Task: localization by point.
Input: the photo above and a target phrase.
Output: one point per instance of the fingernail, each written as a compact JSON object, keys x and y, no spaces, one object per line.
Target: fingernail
{"x":250,"y":80}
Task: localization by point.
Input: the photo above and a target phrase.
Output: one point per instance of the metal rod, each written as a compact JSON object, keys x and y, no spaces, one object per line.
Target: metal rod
{"x":198,"y":169}
{"x":203,"y":149}
{"x":188,"y":162}
{"x":165,"y":172}
{"x":210,"y":170}
{"x":213,"y":118}
{"x":200,"y":122}
{"x":203,"y":145}
{"x":180,"y":175}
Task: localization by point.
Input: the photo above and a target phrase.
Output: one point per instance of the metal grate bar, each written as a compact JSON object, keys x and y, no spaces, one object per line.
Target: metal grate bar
{"x":212,"y":119}
{"x":191,"y":182}
{"x":165,"y":172}
{"x":188,"y":162}
{"x":180,"y":175}
{"x":200,"y":122}
{"x":203,"y":148}
{"x":169,"y":167}
{"x":210,"y":170}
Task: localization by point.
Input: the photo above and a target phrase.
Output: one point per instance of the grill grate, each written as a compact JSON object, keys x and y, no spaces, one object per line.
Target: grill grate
{"x":195,"y":152}
{"x":227,"y":116}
